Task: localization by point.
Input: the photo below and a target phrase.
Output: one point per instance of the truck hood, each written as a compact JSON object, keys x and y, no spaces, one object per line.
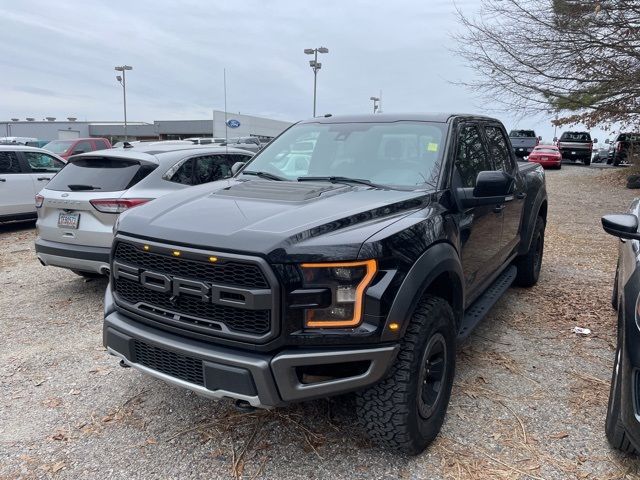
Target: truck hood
{"x":278,"y":220}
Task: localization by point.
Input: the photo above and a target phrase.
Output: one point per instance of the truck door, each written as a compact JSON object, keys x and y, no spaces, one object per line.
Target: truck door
{"x":480,"y":227}
{"x":512,"y":209}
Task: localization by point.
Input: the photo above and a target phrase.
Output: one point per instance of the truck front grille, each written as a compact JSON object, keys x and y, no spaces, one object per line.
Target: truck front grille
{"x":170,"y":363}
{"x":241,"y":299}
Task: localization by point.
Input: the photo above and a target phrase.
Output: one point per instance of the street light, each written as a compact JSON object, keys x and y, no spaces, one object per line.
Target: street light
{"x":375,"y":103}
{"x":315,"y":66}
{"x":123,"y":81}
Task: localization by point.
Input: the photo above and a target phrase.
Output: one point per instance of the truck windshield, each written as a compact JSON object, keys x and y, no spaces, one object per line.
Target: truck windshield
{"x":403,"y":154}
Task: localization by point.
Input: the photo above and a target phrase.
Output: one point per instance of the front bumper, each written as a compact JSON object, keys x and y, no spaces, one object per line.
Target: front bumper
{"x":74,"y":257}
{"x":262,"y":380}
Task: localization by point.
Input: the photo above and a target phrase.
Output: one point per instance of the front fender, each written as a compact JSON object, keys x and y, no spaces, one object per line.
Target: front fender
{"x":441,"y":258}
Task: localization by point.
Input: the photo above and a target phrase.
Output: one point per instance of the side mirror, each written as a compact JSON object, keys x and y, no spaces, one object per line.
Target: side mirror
{"x":624,"y":225}
{"x":492,"y":187}
{"x":555,"y":139}
{"x":540,"y":138}
{"x":595,"y":140}
{"x":237,"y":167}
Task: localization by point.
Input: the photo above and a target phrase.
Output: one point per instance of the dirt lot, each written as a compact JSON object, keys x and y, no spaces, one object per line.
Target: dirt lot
{"x":529,"y":400}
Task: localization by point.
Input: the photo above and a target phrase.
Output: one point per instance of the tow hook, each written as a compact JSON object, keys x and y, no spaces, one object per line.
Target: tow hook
{"x":244,"y":406}
{"x":124,"y":365}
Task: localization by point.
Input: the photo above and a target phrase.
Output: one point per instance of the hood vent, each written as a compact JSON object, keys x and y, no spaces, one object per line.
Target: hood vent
{"x":282,"y":191}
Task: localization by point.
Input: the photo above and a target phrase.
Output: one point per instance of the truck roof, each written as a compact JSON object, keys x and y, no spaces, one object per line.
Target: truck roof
{"x":395,"y":117}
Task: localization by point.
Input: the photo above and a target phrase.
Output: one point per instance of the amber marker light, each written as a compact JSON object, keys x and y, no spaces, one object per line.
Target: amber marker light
{"x":176,"y":253}
{"x":213,"y":259}
{"x":146,"y":248}
{"x":313,"y":317}
{"x":394,"y":327}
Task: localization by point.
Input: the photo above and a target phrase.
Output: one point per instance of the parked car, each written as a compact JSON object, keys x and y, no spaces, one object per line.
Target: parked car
{"x":622,"y":147}
{"x":358,"y":275}
{"x":23,"y":173}
{"x":601,"y":152}
{"x":77,"y":210}
{"x":547,"y":156}
{"x":623,"y":413}
{"x":576,"y":146}
{"x":66,"y":148}
{"x":523,"y":141}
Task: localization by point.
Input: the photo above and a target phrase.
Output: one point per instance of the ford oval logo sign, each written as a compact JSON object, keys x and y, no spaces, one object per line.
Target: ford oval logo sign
{"x":233,"y":123}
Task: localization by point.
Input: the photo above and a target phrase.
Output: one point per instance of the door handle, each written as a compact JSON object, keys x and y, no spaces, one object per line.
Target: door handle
{"x":498,"y":208}
{"x":3,"y":179}
{"x":40,"y":179}
{"x":521,"y":195}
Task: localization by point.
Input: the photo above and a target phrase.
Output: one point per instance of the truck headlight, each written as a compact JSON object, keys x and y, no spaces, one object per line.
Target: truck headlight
{"x":347,"y":282}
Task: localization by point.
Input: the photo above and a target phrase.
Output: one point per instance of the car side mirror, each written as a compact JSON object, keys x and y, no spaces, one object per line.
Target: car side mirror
{"x":555,"y":139}
{"x":595,"y":140}
{"x":237,"y":167}
{"x":492,"y":187}
{"x":540,"y":138}
{"x":607,"y":141}
{"x":624,"y":225}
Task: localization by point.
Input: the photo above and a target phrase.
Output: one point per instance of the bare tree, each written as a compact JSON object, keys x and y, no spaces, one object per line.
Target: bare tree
{"x":577,"y":58}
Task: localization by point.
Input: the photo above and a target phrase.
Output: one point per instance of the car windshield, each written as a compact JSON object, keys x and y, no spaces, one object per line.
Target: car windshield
{"x":403,"y":154}
{"x":522,"y":133}
{"x":58,"y":146}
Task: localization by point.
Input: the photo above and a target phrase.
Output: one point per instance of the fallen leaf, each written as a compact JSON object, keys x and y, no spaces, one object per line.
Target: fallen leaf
{"x":56,"y":467}
{"x":74,"y":392}
{"x":559,"y":435}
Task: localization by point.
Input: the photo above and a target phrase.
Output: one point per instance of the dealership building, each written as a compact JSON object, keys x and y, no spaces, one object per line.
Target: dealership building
{"x":220,"y":125}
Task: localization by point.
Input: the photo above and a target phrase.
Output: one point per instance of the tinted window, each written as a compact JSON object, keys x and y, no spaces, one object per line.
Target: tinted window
{"x":84,"y":146}
{"x":576,"y":137}
{"x":498,"y":148}
{"x":522,"y":133}
{"x":9,"y":163}
{"x":211,"y":168}
{"x":471,"y":156}
{"x":184,"y":173}
{"x":100,"y":144}
{"x":103,"y":173}
{"x":41,"y":162}
{"x":392,"y":153}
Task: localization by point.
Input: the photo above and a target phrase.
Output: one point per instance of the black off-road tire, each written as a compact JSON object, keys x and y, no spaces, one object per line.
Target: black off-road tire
{"x":393,"y":412}
{"x":614,"y":429}
{"x":530,"y":263}
{"x":587,"y":162}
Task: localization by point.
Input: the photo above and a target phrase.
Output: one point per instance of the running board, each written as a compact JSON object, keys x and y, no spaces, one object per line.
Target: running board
{"x":482,"y":305}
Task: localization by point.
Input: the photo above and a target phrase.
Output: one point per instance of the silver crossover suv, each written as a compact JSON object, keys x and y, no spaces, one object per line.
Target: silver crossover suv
{"x":79,"y":206}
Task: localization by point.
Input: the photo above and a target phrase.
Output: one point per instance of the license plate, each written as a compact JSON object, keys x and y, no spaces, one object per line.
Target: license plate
{"x":68,"y":220}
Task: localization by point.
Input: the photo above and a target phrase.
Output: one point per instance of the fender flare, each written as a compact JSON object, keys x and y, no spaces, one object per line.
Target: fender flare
{"x":532,"y":215}
{"x":438,"y":259}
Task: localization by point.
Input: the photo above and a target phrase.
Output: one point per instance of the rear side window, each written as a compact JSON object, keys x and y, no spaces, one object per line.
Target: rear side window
{"x":498,"y":148}
{"x":9,"y":163}
{"x":212,"y":168}
{"x":41,"y":162}
{"x":102,"y":174}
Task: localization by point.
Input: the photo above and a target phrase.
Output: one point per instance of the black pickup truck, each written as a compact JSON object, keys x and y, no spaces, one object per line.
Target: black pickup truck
{"x":354,"y":265}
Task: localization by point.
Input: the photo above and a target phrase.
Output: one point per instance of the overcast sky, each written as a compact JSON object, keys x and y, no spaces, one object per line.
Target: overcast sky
{"x":57,"y":59}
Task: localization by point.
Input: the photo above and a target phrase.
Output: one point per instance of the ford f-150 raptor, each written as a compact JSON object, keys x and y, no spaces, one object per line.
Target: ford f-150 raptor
{"x":352,"y":266}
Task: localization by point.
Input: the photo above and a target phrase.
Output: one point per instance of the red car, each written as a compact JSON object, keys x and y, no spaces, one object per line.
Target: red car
{"x":547,"y":156}
{"x":66,"y":148}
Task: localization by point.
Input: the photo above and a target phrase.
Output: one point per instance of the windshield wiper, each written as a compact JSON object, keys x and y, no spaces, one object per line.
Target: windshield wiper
{"x":359,"y":181}
{"x":267,"y":175}
{"x":78,"y":186}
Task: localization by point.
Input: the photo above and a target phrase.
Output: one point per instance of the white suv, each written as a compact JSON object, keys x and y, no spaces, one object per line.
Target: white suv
{"x":24,"y":171}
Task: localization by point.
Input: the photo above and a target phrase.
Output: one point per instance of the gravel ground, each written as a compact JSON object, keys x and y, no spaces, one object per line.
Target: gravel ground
{"x":529,"y":399}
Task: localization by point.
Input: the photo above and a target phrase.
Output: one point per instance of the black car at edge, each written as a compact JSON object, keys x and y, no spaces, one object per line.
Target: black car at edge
{"x":623,"y":413}
{"x":352,"y":265}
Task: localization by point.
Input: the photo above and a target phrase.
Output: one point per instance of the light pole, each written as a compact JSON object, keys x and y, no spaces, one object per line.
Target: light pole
{"x":123,"y":81}
{"x":375,"y":103}
{"x":315,"y":66}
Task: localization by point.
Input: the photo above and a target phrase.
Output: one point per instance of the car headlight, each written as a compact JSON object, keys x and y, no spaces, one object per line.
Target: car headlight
{"x":347,"y":282}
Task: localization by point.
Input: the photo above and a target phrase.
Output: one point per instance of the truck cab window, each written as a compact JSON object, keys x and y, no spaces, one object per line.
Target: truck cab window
{"x":471,"y":157}
{"x":498,"y":149}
